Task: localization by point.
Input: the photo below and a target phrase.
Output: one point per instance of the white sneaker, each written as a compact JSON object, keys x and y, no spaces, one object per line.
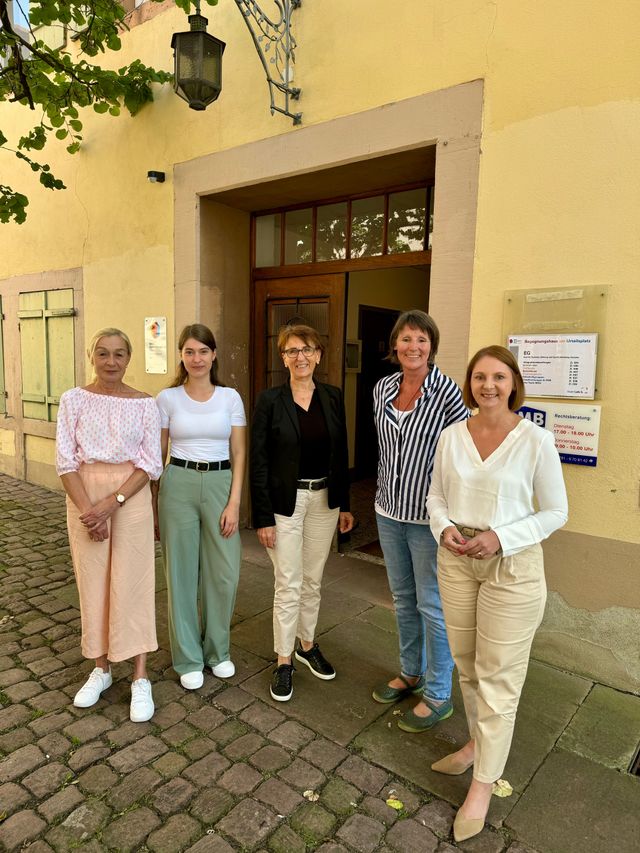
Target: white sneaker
{"x":224,"y":669}
{"x":89,"y":693}
{"x":142,"y":706}
{"x":192,"y":680}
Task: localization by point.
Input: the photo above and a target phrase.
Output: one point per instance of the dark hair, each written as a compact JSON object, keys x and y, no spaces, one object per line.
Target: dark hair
{"x":415,"y":319}
{"x":203,"y":335}
{"x":299,"y":330}
{"x":516,"y":398}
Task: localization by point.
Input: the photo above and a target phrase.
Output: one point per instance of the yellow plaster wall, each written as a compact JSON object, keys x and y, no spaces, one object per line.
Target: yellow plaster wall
{"x":39,"y":449}
{"x":558,"y":180}
{"x":7,"y":442}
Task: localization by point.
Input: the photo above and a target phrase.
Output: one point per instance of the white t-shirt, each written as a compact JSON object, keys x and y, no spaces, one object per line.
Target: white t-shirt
{"x":200,"y":432}
{"x":498,"y":493}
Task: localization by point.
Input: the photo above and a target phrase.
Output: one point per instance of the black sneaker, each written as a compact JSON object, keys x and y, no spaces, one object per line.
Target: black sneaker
{"x":316,"y":662}
{"x":281,"y":687}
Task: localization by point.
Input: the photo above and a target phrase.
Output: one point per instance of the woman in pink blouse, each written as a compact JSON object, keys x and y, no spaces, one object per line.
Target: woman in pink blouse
{"x":108,"y":448}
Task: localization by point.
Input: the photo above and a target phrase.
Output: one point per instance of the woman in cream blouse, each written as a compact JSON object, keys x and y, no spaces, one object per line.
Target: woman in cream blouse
{"x":488,"y":471}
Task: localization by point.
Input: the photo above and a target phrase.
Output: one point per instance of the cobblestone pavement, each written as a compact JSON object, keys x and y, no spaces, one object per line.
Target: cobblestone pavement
{"x":217,"y":769}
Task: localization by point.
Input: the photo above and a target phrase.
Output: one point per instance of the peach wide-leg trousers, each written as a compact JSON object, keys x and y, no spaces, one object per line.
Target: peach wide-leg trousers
{"x":492,"y":609}
{"x":116,"y":578}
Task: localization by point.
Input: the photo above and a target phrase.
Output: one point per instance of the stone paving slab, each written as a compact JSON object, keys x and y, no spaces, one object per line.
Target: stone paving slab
{"x":341,"y":708}
{"x":606,"y":728}
{"x":225,"y":768}
{"x":574,"y":805}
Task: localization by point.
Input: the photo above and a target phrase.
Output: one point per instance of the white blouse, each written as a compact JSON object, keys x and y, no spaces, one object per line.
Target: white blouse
{"x":101,"y":428}
{"x":200,"y":431}
{"x":498,"y":493}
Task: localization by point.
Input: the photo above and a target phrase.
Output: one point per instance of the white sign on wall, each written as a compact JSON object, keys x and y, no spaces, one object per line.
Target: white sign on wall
{"x":576,"y":429}
{"x":557,"y":365}
{"x":155,"y":344}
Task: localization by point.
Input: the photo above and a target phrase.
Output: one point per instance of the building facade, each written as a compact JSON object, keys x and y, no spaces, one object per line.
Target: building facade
{"x":476,"y":159}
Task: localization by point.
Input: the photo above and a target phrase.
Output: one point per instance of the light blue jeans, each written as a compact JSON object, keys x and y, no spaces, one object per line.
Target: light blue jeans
{"x":410,"y":555}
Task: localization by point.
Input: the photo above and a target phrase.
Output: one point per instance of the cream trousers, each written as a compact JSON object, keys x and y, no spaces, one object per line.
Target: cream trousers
{"x":492,"y":609}
{"x":116,"y":578}
{"x":303,"y":542}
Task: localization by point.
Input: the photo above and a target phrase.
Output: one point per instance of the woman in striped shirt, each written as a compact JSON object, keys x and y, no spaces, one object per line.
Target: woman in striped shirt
{"x":411,"y":408}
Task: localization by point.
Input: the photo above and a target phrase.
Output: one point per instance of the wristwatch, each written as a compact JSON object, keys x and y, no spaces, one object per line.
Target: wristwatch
{"x":120,"y":498}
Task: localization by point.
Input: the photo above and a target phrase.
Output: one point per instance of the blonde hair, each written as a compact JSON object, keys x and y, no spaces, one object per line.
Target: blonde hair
{"x":108,"y":333}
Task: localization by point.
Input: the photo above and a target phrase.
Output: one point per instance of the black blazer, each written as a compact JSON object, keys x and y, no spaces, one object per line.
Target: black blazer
{"x":275,"y":452}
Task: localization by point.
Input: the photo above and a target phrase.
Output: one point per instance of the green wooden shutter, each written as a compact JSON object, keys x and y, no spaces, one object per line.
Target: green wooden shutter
{"x":46,"y":350}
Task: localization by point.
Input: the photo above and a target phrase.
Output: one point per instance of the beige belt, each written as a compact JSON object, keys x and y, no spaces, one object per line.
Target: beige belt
{"x":469,"y":532}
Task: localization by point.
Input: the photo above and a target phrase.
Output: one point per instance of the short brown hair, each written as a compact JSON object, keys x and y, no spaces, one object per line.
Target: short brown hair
{"x":516,"y":398}
{"x":415,"y":319}
{"x":299,"y":330}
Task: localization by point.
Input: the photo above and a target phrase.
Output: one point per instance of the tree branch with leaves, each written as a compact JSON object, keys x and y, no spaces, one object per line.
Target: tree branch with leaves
{"x":58,"y":82}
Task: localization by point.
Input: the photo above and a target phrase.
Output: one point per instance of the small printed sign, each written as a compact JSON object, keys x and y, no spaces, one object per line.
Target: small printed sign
{"x":576,"y":429}
{"x":155,"y":344}
{"x":557,"y":365}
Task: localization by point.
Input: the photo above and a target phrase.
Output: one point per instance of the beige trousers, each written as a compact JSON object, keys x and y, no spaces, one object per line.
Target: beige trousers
{"x":492,"y":609}
{"x":303,"y":542}
{"x":116,"y":578}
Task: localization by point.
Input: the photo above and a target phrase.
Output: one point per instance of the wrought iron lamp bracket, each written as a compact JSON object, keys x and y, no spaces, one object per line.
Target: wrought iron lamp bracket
{"x":276,"y":46}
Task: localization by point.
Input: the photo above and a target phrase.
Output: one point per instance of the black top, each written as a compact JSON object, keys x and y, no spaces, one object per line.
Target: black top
{"x":276,"y":442}
{"x":315,"y":448}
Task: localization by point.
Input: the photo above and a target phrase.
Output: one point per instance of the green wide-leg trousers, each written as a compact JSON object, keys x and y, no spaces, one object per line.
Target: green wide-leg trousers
{"x":201,"y":566}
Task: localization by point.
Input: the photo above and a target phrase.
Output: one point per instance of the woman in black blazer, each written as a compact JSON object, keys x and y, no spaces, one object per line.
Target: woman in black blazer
{"x":299,"y":491}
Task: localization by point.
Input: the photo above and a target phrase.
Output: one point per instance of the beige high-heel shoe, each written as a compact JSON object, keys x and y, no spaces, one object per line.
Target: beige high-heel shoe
{"x":451,"y":766}
{"x":466,"y":827}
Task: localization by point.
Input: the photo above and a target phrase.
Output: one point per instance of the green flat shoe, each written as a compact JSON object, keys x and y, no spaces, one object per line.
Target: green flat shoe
{"x":411,"y":722}
{"x":386,"y":695}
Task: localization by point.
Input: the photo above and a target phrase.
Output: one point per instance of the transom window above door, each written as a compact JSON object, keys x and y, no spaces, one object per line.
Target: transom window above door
{"x":395,"y":222}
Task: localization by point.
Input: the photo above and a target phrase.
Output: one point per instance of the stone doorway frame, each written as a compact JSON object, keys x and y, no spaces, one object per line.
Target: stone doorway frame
{"x":212,"y":239}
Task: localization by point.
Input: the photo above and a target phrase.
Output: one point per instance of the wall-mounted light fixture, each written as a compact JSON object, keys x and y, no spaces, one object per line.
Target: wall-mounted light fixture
{"x":155,"y":177}
{"x":198,"y":57}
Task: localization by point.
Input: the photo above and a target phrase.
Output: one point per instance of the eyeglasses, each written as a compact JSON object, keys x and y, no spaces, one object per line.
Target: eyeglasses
{"x":294,"y":352}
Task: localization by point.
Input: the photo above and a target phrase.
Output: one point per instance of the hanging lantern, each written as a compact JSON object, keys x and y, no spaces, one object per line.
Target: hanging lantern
{"x":197,"y":64}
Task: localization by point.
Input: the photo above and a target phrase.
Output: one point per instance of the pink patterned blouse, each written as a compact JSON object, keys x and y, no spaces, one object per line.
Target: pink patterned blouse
{"x":99,"y":428}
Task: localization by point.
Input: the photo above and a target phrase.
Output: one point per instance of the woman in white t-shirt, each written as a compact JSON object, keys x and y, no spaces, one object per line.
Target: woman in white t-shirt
{"x":199,"y":507}
{"x":497,"y":491}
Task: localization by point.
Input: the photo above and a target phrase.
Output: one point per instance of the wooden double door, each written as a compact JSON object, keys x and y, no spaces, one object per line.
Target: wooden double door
{"x":318,"y":301}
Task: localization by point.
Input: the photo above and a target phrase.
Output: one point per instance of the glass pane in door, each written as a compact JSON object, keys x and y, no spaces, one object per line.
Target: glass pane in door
{"x":298,"y":235}
{"x":367,"y":226}
{"x":407,"y":216}
{"x":268,"y":240}
{"x":331,"y":232}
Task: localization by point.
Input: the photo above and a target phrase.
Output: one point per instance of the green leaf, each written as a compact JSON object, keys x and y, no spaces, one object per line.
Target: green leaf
{"x":47,"y":180}
{"x":60,"y":82}
{"x":12,"y":205}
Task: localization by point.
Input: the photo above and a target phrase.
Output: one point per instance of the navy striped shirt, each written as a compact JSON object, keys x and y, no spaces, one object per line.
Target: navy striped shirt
{"x":406,"y":448}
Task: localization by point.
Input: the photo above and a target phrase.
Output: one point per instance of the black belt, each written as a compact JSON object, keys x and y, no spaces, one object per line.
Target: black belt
{"x":313,"y":485}
{"x":202,"y":467}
